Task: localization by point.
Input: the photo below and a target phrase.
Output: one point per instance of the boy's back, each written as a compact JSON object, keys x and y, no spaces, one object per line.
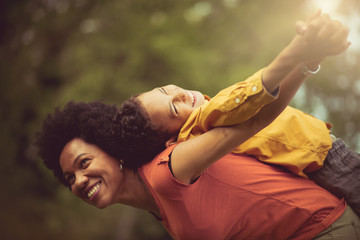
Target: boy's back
{"x":294,"y":140}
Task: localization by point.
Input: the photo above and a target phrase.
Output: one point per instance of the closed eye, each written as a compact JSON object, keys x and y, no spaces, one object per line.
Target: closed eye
{"x":163,"y":90}
{"x":175,"y":109}
{"x":172,"y":106}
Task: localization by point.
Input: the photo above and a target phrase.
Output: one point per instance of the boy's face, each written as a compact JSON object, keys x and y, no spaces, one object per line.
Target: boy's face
{"x":170,"y":106}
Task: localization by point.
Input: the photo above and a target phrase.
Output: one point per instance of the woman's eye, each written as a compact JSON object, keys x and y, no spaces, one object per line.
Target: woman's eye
{"x":70,"y":179}
{"x":83,"y":162}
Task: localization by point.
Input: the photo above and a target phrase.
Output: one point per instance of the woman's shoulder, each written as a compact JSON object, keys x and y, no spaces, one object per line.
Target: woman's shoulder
{"x":157,"y":173}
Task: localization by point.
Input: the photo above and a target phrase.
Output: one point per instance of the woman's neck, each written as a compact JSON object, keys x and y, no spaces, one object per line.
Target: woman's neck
{"x":137,"y":194}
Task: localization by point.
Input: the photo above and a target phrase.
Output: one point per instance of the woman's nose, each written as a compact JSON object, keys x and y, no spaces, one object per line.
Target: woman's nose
{"x":80,"y":181}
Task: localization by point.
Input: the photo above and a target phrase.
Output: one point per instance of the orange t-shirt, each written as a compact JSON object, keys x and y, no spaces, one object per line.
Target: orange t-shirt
{"x":239,"y":197}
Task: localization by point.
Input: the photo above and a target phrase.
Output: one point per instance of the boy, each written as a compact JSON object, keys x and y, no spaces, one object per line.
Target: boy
{"x":294,"y":140}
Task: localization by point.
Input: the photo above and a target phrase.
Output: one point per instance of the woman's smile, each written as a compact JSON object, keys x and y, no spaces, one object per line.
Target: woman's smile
{"x":93,"y":175}
{"x":93,"y":191}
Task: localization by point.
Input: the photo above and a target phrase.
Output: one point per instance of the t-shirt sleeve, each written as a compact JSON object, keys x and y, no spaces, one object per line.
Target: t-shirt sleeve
{"x":161,"y":179}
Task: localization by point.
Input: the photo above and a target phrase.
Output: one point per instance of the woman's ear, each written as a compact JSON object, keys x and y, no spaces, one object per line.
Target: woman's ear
{"x":171,"y":141}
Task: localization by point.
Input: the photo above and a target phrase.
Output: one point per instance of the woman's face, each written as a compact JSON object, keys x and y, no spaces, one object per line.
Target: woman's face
{"x":170,"y":106}
{"x":93,"y":175}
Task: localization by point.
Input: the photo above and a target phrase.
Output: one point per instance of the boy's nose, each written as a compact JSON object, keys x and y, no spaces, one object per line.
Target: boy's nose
{"x":180,"y":95}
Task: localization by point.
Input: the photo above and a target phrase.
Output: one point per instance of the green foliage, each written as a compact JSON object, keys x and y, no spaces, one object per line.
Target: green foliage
{"x":60,"y":50}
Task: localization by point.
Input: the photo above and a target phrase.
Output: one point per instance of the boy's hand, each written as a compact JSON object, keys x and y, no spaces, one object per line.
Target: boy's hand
{"x":318,"y":38}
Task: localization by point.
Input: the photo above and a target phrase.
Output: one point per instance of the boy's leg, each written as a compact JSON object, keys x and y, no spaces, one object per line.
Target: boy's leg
{"x":340,"y":174}
{"x":346,"y":227}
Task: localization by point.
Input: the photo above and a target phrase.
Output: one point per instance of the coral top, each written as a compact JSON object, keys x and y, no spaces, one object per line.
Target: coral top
{"x":239,"y":197}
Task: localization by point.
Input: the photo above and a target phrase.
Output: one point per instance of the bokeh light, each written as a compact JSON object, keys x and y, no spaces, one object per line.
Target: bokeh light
{"x":330,"y":7}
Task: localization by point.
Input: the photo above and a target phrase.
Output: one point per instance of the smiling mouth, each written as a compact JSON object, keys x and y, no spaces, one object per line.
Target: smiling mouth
{"x":93,"y":190}
{"x":192,"y":98}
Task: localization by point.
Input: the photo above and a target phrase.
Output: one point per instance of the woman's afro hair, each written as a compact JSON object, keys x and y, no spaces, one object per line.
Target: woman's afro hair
{"x":124,"y":133}
{"x":91,"y":122}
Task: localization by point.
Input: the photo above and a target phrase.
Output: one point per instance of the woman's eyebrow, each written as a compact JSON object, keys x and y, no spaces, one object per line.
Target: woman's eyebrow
{"x":75,"y":162}
{"x":77,"y":159}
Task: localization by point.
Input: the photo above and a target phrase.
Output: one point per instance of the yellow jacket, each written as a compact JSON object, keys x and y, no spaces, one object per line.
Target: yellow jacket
{"x":294,"y":139}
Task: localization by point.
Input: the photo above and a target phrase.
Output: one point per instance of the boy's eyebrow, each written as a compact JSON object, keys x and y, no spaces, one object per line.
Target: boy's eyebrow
{"x":170,"y":106}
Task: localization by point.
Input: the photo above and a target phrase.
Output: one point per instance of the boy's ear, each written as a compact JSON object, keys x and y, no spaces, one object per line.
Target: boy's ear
{"x":171,"y":141}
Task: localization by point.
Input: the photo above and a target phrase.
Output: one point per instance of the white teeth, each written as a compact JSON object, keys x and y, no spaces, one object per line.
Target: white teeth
{"x":192,"y":98}
{"x":93,"y":190}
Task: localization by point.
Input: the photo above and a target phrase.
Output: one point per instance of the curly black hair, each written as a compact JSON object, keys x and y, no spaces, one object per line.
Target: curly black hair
{"x":141,"y":140}
{"x":92,"y":122}
{"x":124,"y":133}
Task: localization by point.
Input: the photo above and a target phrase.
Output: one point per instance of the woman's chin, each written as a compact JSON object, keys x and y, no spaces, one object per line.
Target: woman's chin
{"x":99,"y":205}
{"x":103,"y":203}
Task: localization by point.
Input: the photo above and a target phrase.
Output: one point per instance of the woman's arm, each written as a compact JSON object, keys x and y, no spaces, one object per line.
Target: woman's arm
{"x":189,"y":159}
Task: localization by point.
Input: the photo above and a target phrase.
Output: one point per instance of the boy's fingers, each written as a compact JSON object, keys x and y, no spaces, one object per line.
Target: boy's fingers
{"x":315,"y":15}
{"x":339,"y":41}
{"x":339,"y":49}
{"x":312,"y":29}
{"x":340,"y":36}
{"x":301,"y":27}
{"x":337,"y":23}
{"x":324,"y":35}
{"x":317,"y":24}
{"x":313,"y":24}
{"x":333,"y":32}
{"x":325,"y":18}
{"x":327,"y":30}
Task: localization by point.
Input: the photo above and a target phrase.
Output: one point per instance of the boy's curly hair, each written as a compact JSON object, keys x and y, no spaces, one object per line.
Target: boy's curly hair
{"x":124,"y":133}
{"x":141,"y":140}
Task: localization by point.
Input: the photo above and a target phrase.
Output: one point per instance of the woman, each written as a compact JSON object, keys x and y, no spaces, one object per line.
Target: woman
{"x":196,"y":188}
{"x":265,"y":202}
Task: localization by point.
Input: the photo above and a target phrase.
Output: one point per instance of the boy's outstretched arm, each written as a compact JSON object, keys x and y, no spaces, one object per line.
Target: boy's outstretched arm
{"x":318,"y":38}
{"x":322,"y":37}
